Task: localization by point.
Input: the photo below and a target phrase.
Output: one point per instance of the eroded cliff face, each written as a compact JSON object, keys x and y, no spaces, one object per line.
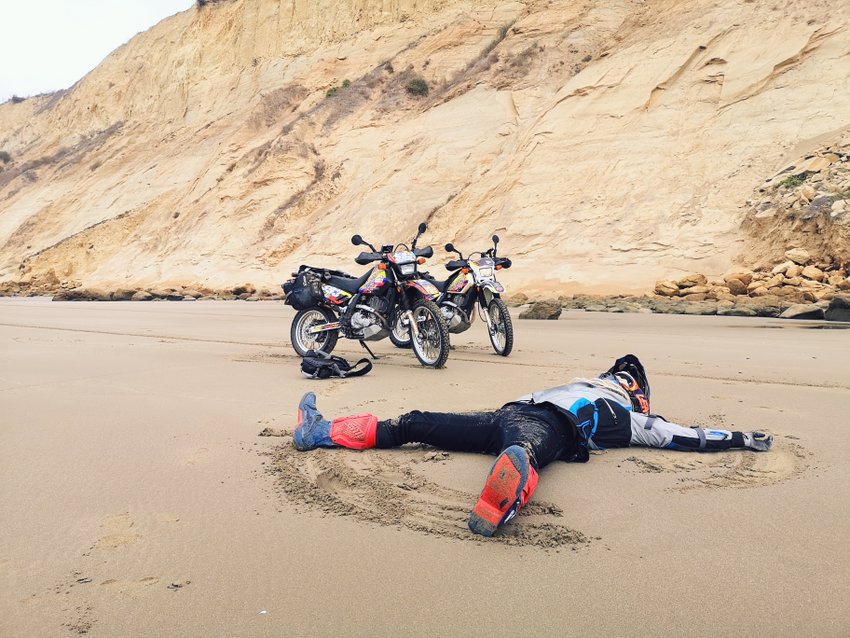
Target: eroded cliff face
{"x":609,"y":144}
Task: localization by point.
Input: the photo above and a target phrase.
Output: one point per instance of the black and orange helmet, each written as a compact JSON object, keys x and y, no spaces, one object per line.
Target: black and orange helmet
{"x":631,"y":375}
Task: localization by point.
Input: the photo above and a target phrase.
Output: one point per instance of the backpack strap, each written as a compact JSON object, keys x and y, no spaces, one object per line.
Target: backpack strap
{"x":354,"y":372}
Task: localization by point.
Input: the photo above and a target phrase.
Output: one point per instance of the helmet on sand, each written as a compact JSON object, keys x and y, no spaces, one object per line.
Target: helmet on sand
{"x":631,"y":375}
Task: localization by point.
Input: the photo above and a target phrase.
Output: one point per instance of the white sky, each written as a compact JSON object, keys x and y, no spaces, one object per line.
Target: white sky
{"x":46,"y":45}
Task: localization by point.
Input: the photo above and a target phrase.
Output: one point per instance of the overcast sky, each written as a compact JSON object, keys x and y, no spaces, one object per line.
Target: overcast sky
{"x":46,"y":45}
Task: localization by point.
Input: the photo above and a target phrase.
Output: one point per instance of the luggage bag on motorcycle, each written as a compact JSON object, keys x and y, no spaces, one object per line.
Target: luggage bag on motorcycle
{"x":304,"y":289}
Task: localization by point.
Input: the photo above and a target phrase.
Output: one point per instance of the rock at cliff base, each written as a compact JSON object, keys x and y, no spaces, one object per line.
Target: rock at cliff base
{"x":839,"y":309}
{"x":803,"y":311}
{"x":798,"y":256}
{"x":542,"y":310}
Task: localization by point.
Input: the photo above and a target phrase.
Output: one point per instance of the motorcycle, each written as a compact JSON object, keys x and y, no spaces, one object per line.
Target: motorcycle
{"x":472,"y":282}
{"x":332,"y":303}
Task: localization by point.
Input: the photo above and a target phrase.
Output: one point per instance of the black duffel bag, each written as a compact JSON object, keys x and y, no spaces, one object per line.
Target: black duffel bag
{"x":320,"y":365}
{"x":304,"y":290}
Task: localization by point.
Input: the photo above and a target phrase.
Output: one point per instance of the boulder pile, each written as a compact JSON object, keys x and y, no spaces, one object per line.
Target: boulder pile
{"x":799,"y":287}
{"x":807,"y":205}
{"x":75,"y":291}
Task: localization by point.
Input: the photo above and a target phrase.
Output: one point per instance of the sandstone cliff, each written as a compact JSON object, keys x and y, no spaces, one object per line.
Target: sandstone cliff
{"x":610,"y":144}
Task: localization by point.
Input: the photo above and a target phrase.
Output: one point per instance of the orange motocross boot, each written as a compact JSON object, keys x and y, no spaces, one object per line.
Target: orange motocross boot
{"x":509,"y":486}
{"x":313,"y":430}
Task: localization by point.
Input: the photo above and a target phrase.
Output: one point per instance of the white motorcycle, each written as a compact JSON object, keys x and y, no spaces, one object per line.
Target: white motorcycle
{"x":470,"y":289}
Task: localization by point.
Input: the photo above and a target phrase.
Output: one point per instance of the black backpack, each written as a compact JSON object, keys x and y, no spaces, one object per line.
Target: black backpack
{"x":320,"y":365}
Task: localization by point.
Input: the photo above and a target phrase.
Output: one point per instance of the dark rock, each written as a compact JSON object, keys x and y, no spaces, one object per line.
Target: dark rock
{"x":803,"y":311}
{"x":736,"y":286}
{"x":75,"y":294}
{"x":839,"y":309}
{"x":97,"y":294}
{"x":123,"y":294}
{"x":821,"y":204}
{"x":542,"y":310}
{"x":699,"y":308}
{"x":737,"y":311}
{"x":241,"y":290}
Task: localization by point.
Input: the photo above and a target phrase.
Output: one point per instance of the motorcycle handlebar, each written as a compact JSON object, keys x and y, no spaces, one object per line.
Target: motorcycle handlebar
{"x":367,"y":258}
{"x":455,"y":264}
{"x":428,"y":251}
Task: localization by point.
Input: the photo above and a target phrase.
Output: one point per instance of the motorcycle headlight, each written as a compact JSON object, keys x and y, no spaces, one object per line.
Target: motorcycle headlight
{"x":486,"y":272}
{"x":407,"y":269}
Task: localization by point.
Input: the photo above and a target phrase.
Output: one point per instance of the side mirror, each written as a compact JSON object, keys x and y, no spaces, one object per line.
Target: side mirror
{"x":450,"y":248}
{"x":422,"y":228}
{"x":356,"y":240}
{"x":495,"y":239}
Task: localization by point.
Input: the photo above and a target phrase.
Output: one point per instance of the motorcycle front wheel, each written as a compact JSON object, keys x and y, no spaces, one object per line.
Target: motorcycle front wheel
{"x":303,"y":340}
{"x":400,"y":333}
{"x":431,"y":346}
{"x":502,"y":330}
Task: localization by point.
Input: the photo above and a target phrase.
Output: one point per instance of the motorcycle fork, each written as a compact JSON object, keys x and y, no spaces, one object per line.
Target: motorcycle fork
{"x":483,"y":310}
{"x":404,"y":302}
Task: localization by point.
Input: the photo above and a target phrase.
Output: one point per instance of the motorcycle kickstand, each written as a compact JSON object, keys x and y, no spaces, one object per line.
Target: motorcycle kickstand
{"x":372,"y":354}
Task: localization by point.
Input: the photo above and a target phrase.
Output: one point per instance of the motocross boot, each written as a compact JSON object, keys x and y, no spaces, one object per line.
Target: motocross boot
{"x":313,"y":430}
{"x":509,"y":486}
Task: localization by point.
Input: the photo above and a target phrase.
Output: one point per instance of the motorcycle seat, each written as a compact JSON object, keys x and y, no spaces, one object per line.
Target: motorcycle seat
{"x":348,"y":284}
{"x":439,"y":285}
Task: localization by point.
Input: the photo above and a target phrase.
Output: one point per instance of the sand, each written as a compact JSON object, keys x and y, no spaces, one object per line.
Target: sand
{"x":137,"y":499}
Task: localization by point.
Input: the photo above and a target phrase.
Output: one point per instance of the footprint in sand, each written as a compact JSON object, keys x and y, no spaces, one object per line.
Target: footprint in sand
{"x":118,"y":532}
{"x":131,"y":588}
{"x":384,"y":488}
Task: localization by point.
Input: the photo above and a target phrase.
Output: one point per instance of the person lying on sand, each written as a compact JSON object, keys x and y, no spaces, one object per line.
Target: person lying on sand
{"x":565,"y":422}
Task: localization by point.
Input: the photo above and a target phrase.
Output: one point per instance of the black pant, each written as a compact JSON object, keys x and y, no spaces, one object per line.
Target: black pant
{"x":545,"y":434}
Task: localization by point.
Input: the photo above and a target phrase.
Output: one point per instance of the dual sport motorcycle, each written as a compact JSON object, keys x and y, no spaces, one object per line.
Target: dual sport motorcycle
{"x":332,"y":303}
{"x":471,"y":289}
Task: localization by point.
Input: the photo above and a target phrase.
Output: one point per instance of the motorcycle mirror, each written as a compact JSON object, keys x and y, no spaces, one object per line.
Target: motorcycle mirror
{"x":422,"y":228}
{"x":450,"y":248}
{"x":356,"y":240}
{"x":495,"y":239}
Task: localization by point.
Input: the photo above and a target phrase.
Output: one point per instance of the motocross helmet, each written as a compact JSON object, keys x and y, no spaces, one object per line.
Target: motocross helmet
{"x":631,"y":375}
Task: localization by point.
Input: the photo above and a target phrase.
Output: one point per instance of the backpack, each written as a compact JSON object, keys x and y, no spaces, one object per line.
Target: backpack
{"x":320,"y":365}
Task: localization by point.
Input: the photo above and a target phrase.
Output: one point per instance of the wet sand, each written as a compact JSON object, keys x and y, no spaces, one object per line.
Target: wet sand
{"x":137,"y":499}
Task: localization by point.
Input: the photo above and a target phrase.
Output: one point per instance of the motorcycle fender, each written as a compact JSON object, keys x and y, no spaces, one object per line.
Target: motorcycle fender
{"x":425,"y":287}
{"x":495,"y":288}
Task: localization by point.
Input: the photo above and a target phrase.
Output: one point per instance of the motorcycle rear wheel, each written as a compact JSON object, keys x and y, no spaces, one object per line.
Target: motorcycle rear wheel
{"x":502,"y":334}
{"x":431,"y":347}
{"x":303,"y":341}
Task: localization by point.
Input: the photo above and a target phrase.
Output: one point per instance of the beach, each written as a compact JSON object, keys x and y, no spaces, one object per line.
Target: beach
{"x":137,"y":497}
